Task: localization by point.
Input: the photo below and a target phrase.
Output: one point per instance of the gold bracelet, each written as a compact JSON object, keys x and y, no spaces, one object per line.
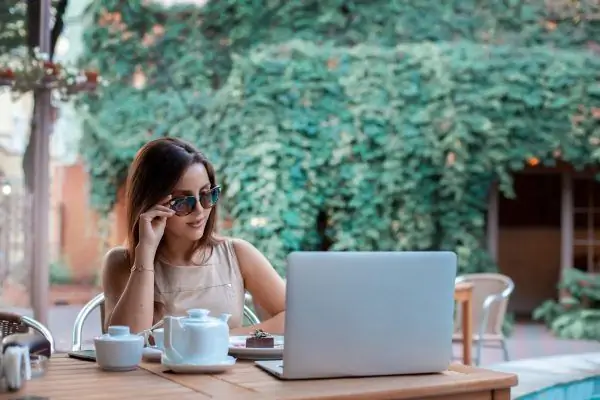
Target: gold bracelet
{"x":139,"y":268}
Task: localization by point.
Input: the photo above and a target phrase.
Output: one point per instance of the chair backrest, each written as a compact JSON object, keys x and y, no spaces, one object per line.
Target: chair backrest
{"x":14,"y":323}
{"x":491,"y":292}
{"x":98,"y":301}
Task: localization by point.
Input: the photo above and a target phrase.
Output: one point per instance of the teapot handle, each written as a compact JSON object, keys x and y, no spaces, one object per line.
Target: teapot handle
{"x":170,"y":351}
{"x":146,"y":333}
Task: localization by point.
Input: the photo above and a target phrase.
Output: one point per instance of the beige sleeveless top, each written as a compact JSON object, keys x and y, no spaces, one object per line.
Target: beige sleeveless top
{"x":216,"y":285}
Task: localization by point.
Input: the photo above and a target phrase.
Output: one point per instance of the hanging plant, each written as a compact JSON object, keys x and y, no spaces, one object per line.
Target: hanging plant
{"x":22,"y":75}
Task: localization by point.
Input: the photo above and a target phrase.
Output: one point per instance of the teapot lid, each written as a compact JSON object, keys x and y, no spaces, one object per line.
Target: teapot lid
{"x":118,"y":333}
{"x":198,"y":313}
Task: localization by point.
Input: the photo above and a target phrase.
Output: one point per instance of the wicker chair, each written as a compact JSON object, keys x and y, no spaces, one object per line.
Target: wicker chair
{"x":98,"y":301}
{"x":14,"y":323}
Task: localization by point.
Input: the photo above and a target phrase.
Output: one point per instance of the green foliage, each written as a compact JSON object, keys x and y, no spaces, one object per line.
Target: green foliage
{"x":577,"y":314}
{"x":397,"y":145}
{"x":392,"y":147}
{"x":12,"y":25}
{"x":508,"y":325}
{"x":60,"y":273}
{"x":138,"y":38}
{"x":108,"y":153}
{"x":189,"y":47}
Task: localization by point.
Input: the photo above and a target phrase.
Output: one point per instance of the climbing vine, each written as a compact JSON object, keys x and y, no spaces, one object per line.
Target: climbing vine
{"x":397,"y":145}
{"x":386,"y":121}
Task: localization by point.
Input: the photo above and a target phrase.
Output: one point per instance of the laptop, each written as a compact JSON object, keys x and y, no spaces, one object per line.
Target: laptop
{"x":359,"y":314}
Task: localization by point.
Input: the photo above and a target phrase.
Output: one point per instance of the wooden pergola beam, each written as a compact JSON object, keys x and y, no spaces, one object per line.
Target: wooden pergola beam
{"x":566,"y":222}
{"x":40,"y":277}
{"x":492,"y":226}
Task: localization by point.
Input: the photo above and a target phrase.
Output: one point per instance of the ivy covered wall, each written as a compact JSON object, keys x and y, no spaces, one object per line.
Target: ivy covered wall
{"x":397,"y":145}
{"x":386,"y":123}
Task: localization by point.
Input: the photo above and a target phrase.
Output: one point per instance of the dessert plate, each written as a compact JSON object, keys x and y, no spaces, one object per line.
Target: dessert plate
{"x":238,"y":349}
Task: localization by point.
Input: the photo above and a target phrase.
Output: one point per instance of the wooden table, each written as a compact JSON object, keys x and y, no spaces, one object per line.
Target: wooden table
{"x":69,"y":379}
{"x":463,"y":294}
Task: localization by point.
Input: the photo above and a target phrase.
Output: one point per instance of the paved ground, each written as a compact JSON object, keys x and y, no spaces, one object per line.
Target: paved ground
{"x":531,"y":340}
{"x":528,"y":340}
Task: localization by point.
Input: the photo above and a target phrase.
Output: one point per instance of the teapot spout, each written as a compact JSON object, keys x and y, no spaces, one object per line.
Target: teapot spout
{"x":224,"y":317}
{"x":172,"y":325}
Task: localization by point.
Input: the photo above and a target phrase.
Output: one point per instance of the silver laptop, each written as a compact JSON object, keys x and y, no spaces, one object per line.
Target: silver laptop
{"x":367,"y":314}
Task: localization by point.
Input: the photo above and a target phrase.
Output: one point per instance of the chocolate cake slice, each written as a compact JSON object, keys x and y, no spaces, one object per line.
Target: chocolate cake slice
{"x":260,"y":339}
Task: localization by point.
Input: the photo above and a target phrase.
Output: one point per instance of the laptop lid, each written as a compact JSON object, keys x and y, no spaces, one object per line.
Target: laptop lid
{"x":368,"y":313}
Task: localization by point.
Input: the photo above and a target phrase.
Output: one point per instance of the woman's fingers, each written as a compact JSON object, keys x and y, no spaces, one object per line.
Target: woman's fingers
{"x":156,"y":213}
{"x":159,"y":210}
{"x":163,"y":208}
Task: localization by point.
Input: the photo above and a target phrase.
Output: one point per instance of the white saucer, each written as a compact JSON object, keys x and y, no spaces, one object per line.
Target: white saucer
{"x":227,"y":364}
{"x":151,"y":354}
{"x":238,"y":349}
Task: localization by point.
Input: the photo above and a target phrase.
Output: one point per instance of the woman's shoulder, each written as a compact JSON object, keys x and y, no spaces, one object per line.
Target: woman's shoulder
{"x":116,"y":258}
{"x":221,"y":240}
{"x":241,"y":249}
{"x":232,"y":243}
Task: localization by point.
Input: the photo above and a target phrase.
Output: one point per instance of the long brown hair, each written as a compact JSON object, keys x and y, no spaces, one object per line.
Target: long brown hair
{"x":153,"y":175}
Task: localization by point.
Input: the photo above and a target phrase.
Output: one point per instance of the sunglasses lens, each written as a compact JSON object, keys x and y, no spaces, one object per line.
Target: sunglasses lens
{"x":208,"y":200}
{"x":183,"y":206}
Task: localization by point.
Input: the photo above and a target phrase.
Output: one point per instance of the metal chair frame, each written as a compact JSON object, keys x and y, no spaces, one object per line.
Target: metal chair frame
{"x":487,"y":304}
{"x":98,"y":301}
{"x":29,"y":323}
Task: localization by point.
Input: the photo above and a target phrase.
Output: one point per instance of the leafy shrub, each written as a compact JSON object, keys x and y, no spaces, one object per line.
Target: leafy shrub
{"x":60,"y":273}
{"x":185,"y":53}
{"x":346,"y":141}
{"x":576,"y":315}
{"x":396,"y":146}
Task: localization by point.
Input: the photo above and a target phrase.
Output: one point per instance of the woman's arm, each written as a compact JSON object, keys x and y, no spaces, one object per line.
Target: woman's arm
{"x":264,"y":284}
{"x":129,"y":295}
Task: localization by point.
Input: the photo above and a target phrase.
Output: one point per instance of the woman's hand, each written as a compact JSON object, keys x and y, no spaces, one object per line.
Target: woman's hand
{"x":152,"y":225}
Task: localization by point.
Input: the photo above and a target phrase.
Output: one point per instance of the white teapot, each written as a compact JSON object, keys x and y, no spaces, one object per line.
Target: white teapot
{"x":197,"y":339}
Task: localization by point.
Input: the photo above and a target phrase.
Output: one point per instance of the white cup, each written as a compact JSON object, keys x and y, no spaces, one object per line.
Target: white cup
{"x":159,"y":338}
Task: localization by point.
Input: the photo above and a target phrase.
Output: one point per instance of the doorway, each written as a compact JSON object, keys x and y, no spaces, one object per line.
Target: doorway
{"x":529,"y":239}
{"x":530,"y":233}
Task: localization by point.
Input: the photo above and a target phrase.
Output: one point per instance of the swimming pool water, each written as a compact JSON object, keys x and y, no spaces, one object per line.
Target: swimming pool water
{"x":585,"y":389}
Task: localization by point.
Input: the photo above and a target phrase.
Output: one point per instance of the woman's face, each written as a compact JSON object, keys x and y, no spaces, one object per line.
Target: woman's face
{"x":194,"y":182}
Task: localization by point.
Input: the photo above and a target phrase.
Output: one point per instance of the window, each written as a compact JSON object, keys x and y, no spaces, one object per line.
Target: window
{"x":586,"y":221}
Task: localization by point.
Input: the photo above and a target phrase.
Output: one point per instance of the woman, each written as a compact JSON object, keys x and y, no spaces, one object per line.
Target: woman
{"x":174,"y":260}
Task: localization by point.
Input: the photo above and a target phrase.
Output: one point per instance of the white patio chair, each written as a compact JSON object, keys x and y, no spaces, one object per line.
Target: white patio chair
{"x":98,"y":301}
{"x":491,"y":293}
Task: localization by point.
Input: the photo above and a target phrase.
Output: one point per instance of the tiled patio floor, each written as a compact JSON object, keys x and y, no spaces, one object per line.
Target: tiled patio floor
{"x":531,"y":340}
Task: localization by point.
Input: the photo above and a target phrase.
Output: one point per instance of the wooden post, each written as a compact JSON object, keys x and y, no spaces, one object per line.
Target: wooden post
{"x":566,"y":223}
{"x":492,"y":222}
{"x":40,"y":279}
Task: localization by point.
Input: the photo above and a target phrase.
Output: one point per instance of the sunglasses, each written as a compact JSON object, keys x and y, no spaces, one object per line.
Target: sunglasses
{"x":186,"y":205}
